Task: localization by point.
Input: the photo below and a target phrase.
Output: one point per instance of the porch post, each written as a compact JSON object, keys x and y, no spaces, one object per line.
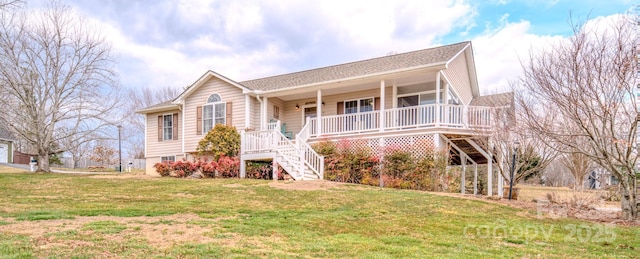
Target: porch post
{"x":489,"y":176}
{"x":394,"y":96}
{"x":382,"y":122}
{"x":445,"y":102}
{"x":274,"y":170}
{"x":475,"y":179}
{"x":438,"y":87}
{"x":319,"y":112}
{"x":500,"y":178}
{"x":243,"y":163}
{"x":247,"y":112}
{"x":463,"y":161}
{"x":263,"y":113}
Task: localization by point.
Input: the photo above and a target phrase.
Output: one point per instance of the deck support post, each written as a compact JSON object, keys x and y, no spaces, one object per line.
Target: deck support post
{"x":463,"y":161}
{"x":274,"y":170}
{"x":500,"y":178}
{"x":475,"y":179}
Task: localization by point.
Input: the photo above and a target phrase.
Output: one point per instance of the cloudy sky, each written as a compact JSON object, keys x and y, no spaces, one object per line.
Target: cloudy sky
{"x":173,"y":42}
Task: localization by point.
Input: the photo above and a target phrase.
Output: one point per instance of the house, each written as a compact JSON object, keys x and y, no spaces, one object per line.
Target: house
{"x":421,"y":99}
{"x":6,"y":145}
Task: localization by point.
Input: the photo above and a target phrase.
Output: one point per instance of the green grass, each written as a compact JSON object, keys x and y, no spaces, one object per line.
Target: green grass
{"x":167,"y":218}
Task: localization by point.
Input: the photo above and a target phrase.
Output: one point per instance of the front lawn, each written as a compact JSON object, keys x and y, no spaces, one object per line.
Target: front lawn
{"x":55,"y":215}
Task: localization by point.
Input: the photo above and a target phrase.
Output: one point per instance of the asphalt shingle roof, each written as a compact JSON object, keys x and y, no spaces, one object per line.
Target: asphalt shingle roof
{"x":359,"y":68}
{"x":5,"y":133}
{"x":494,"y":100}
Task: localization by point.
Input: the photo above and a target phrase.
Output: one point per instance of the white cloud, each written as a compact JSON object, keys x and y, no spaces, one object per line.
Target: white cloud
{"x":498,"y":52}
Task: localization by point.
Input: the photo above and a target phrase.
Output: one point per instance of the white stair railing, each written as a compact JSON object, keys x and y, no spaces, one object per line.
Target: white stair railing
{"x":309,"y":156}
{"x":290,"y":153}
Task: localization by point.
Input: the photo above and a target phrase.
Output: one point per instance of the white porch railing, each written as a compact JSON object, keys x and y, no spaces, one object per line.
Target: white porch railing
{"x":450,"y":116}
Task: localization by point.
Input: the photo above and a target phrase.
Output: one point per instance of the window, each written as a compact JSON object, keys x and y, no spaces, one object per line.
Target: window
{"x":276,"y":112}
{"x":359,"y":122}
{"x":167,"y":127}
{"x":168,"y":159}
{"x":213,"y":112}
{"x":355,"y":106}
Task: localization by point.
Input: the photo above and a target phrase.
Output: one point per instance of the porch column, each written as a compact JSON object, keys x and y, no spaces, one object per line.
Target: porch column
{"x":382,"y":122}
{"x":438,"y":87}
{"x":475,"y":179}
{"x":500,"y":178}
{"x":274,"y":170}
{"x":243,"y":163}
{"x":445,"y":101}
{"x":319,"y":112}
{"x":489,"y":176}
{"x":463,"y":161}
{"x":394,"y":96}
{"x":247,"y":112}
{"x":265,"y":102}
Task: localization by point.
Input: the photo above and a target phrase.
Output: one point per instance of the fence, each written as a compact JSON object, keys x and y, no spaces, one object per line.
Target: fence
{"x":67,"y":162}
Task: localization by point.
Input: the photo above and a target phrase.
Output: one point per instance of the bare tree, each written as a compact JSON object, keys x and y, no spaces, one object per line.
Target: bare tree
{"x":139,"y":99}
{"x":7,"y":4}
{"x":56,"y":78}
{"x":532,"y":156}
{"x":579,"y":94}
{"x":579,"y":165}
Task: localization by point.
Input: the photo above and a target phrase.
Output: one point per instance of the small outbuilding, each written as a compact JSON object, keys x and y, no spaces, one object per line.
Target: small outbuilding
{"x":6,"y":145}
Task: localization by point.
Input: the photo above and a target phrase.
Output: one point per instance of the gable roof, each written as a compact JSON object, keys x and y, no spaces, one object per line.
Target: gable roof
{"x":163,"y":106}
{"x":408,"y":60}
{"x":203,"y":79}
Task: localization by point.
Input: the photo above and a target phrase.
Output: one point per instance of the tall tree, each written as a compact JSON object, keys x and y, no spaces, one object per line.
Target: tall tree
{"x":579,"y":94}
{"x":56,"y":78}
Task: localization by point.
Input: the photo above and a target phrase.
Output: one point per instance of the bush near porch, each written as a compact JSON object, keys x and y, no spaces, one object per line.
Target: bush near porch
{"x":398,"y":168}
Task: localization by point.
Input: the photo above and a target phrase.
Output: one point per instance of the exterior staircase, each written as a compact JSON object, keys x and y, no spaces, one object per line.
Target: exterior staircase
{"x":296,"y":157}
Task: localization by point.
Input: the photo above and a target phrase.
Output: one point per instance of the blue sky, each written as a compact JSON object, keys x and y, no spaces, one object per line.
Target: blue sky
{"x":173,"y":42}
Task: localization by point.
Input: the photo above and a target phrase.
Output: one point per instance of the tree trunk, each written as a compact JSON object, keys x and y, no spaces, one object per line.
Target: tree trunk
{"x":628,"y":198}
{"x":43,"y":162}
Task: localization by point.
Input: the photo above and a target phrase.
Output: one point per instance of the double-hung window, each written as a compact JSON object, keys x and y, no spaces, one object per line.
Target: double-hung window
{"x":213,"y":112}
{"x":167,"y":127}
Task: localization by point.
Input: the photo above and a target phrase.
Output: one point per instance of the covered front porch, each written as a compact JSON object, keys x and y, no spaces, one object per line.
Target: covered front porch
{"x":407,"y":101}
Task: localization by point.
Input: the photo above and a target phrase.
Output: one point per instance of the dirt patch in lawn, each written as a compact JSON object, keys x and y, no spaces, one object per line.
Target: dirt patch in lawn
{"x":160,"y":231}
{"x":307,"y":185}
{"x":124,"y":176}
{"x":600,"y":213}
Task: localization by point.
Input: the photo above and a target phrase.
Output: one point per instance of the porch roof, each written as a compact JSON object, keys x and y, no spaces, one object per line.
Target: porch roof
{"x":420,"y":58}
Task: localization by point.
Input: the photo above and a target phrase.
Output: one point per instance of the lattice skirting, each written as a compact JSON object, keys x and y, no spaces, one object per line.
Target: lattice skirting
{"x":419,"y":145}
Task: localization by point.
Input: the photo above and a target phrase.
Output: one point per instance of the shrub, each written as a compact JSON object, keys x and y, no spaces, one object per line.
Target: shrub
{"x":163,"y":168}
{"x":344,"y":163}
{"x":185,"y":168}
{"x":228,"y":167}
{"x":220,"y":141}
{"x":224,"y":167}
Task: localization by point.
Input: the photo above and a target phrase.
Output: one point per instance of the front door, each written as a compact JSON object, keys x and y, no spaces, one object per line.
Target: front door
{"x":309,"y":112}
